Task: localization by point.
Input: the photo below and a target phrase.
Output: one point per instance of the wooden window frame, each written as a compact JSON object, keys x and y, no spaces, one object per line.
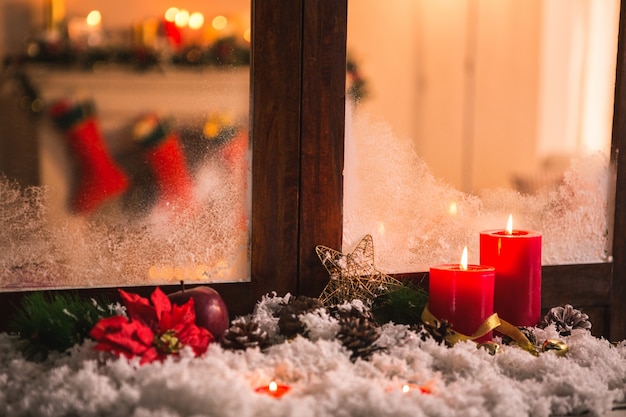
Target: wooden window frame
{"x":297,"y":111}
{"x":599,"y":289}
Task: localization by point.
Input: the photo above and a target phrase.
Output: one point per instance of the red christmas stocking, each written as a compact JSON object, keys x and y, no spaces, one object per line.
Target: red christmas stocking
{"x":99,"y":177}
{"x":164,"y":153}
{"x":234,"y":153}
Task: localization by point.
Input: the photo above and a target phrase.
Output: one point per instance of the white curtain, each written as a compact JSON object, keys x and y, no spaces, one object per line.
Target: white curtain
{"x":579,"y":44}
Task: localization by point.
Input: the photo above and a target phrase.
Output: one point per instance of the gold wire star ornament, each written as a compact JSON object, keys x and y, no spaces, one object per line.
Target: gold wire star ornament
{"x":353,"y":276}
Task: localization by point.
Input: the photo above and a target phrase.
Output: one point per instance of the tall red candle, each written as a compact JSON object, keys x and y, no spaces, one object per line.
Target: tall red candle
{"x":463,"y":297}
{"x":516,"y":257}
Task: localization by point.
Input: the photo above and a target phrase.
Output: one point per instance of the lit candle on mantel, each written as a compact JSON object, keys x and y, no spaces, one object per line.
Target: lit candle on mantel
{"x":462,"y":294}
{"x":516,"y":256}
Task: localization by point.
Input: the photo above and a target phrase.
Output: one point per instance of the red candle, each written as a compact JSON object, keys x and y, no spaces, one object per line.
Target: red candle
{"x":463,"y":295}
{"x":273,"y":389}
{"x":516,"y":256}
{"x":406,"y":388}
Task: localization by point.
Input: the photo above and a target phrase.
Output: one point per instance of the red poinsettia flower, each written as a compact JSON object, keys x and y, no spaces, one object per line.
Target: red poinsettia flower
{"x":155,"y":328}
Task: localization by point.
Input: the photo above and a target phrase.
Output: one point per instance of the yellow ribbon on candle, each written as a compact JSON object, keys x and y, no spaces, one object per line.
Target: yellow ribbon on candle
{"x":492,"y":322}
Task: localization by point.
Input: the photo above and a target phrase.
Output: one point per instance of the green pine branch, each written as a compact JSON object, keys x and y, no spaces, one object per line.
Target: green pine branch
{"x":401,"y":306}
{"x":54,"y":322}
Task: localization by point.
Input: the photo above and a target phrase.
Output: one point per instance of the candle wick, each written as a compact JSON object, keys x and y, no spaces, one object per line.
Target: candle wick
{"x":509,"y":225}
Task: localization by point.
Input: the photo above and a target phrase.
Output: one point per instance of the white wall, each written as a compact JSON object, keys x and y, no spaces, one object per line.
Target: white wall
{"x":488,"y":88}
{"x":458,"y":78}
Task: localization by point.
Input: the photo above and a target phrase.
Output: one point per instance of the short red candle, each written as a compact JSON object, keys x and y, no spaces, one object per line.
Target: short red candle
{"x":463,"y":297}
{"x":274,"y":390}
{"x":406,"y":388}
{"x":516,"y":256}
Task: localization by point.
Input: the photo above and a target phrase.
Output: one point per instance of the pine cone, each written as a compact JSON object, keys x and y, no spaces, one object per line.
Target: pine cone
{"x":440,"y":331}
{"x":359,"y":336}
{"x":344,"y":312}
{"x":526,"y":331}
{"x":289,"y":322}
{"x":566,"y":318}
{"x":245,"y":333}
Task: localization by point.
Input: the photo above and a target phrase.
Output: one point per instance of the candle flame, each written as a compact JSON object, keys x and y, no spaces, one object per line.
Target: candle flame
{"x":273,"y":387}
{"x":406,"y":388}
{"x":464,"y":259}
{"x":509,"y":225}
{"x":453,"y":208}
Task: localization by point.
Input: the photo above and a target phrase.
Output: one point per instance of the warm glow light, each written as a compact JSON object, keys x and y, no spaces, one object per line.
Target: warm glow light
{"x":182,"y":18}
{"x":94,"y":18}
{"x":463,"y":263}
{"x":189,"y":272}
{"x":247,"y":35}
{"x":170,"y":14}
{"x":509,"y":225}
{"x":219,"y":22}
{"x":274,"y":390}
{"x":453,"y":208}
{"x":161,"y":272}
{"x":153,"y":272}
{"x":406,"y":388}
{"x":196,"y":20}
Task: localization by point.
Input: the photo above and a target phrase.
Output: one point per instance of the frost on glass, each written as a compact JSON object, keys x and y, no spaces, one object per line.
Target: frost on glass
{"x":207,"y":243}
{"x":390,"y":193}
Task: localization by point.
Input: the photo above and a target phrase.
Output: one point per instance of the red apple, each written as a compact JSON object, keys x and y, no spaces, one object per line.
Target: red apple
{"x":211,"y":311}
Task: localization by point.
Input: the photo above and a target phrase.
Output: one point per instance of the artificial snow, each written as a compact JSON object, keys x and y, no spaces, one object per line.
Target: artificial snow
{"x":390,"y":193}
{"x":460,"y":381}
{"x":206,"y":243}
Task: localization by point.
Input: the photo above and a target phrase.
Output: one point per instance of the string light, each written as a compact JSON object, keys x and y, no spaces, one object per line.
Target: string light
{"x":219,"y":22}
{"x":94,"y":18}
{"x":196,"y":20}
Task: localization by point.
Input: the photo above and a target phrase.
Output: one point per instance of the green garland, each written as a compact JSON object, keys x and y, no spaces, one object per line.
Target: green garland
{"x":401,"y":306}
{"x":48,"y":322}
{"x":54,"y":322}
{"x":357,"y":87}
